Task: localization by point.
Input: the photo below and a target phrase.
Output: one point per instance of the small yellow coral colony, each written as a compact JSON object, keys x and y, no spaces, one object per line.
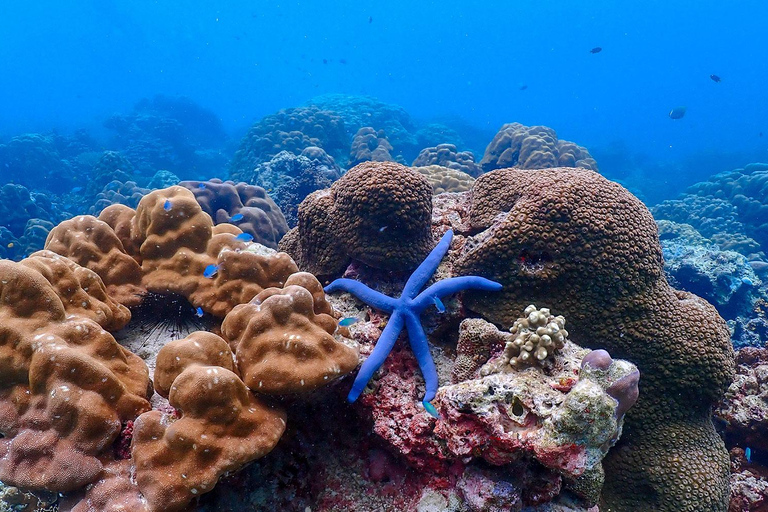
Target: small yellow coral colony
{"x":538,"y":335}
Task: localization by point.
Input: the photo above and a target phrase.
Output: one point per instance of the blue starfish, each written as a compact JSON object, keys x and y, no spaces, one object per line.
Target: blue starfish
{"x":405,"y":312}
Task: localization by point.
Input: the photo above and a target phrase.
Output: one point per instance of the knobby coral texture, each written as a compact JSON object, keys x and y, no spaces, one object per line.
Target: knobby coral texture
{"x":573,"y":239}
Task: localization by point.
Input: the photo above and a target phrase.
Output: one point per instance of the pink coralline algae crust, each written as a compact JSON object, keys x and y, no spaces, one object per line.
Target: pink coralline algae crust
{"x":743,"y":412}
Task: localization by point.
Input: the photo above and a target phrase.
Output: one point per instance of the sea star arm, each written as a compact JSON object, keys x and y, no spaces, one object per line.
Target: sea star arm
{"x":380,"y":352}
{"x":420,"y":348}
{"x":427,"y":268}
{"x":371,"y":297}
{"x":450,"y":286}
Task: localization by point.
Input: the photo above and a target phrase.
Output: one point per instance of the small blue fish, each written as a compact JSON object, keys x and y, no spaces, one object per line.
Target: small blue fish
{"x":75,"y":190}
{"x":210,"y":271}
{"x":244,"y":237}
{"x":202,"y":185}
{"x":346,"y":322}
{"x":438,"y":304}
{"x":747,"y":281}
{"x":382,"y":229}
{"x":431,"y":409}
{"x":236,"y":217}
{"x":199,"y":312}
{"x":748,"y":454}
{"x":167,"y":206}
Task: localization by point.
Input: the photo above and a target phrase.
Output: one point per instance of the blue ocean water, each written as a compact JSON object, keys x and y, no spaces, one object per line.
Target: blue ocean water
{"x":69,"y":65}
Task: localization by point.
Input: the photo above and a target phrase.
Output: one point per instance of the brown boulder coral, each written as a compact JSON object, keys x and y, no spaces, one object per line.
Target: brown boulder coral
{"x":283,"y":339}
{"x":533,"y":147}
{"x":586,"y":247}
{"x":377,"y":213}
{"x":165,"y":246}
{"x":447,"y":155}
{"x":370,"y":145}
{"x":222,"y":427}
{"x":65,"y":384}
{"x":444,"y":179}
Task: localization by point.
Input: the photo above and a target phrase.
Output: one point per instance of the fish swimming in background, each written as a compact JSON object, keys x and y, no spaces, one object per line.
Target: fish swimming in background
{"x":677,"y":112}
{"x":523,"y":87}
{"x":167,"y":206}
{"x":10,"y":245}
{"x":236,"y":217}
{"x":210,"y":271}
{"x":382,"y":229}
{"x":715,"y":78}
{"x":438,"y":304}
{"x":748,"y":453}
{"x":370,"y":19}
{"x":199,"y":312}
{"x":244,"y":237}
{"x":202,"y":185}
{"x":75,"y":190}
{"x":431,"y":409}
{"x":596,"y":49}
{"x":346,"y":322}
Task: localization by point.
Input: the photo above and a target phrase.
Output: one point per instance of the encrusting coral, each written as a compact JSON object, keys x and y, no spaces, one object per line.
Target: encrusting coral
{"x":593,"y":245}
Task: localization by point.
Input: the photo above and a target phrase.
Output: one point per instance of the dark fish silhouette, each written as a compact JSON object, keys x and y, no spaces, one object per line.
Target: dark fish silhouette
{"x":342,"y":61}
{"x":596,"y":49}
{"x":523,"y":87}
{"x":677,"y":112}
{"x":370,"y":19}
{"x":325,"y":61}
{"x":715,"y":78}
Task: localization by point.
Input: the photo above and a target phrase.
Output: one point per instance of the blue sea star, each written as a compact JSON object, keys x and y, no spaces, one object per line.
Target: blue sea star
{"x":405,"y":312}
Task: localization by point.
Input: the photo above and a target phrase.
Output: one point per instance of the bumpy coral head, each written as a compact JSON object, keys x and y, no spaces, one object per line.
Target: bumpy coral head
{"x":380,"y":205}
{"x":538,"y":335}
{"x":537,"y":230}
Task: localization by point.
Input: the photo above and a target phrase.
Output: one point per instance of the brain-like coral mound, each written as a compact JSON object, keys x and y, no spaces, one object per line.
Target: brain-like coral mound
{"x":222,"y":425}
{"x":377,"y":213}
{"x":533,"y":147}
{"x":178,"y":249}
{"x":65,"y":384}
{"x":33,"y":160}
{"x":247,"y":206}
{"x":573,"y":240}
{"x":283,"y":339}
{"x":111,"y":166}
{"x":290,"y":178}
{"x":446,"y":155}
{"x":291,"y":130}
{"x":444,"y":179}
{"x":370,"y":145}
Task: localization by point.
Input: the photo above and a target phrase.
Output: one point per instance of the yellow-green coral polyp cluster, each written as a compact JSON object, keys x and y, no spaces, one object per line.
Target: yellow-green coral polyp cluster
{"x":538,"y":335}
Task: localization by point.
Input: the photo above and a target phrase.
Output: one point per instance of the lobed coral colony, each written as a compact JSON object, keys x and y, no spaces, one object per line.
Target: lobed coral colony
{"x":452,"y":336}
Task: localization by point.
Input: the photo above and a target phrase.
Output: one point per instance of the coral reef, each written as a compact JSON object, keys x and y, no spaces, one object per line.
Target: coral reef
{"x":359,"y":111}
{"x":169,"y":133}
{"x":247,"y":206}
{"x":436,"y":134}
{"x":283,"y":339}
{"x":173,"y":242}
{"x":289,"y":178}
{"x":111,"y":166}
{"x":292,"y":130}
{"x":377,"y":213}
{"x":533,"y":147}
{"x":370,"y":145}
{"x":724,"y":278}
{"x":730,"y":207}
{"x":573,"y":232}
{"x":65,"y":384}
{"x":444,"y":179}
{"x":446,"y":155}
{"x":33,"y":160}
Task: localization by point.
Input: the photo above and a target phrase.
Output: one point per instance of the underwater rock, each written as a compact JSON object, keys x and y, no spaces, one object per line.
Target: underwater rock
{"x":32,"y":160}
{"x":533,"y":147}
{"x":446,"y":155}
